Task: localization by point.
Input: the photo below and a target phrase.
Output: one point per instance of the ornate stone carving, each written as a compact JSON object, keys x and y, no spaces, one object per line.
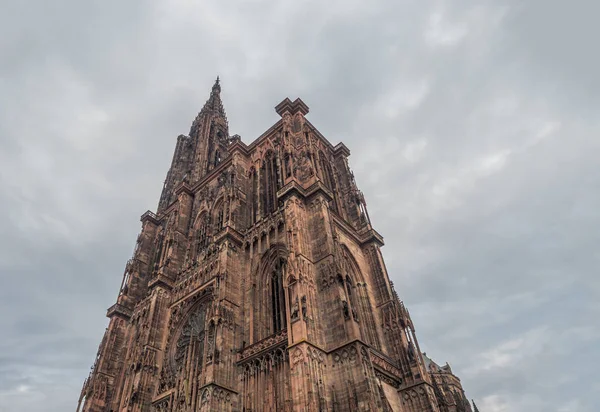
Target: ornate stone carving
{"x":385,"y":378}
{"x":203,"y":322}
{"x":295,"y":312}
{"x":385,"y":365}
{"x":297,"y":357}
{"x":345,"y":309}
{"x":266,"y":344}
{"x":345,"y":355}
{"x":304,"y":168}
{"x":304,"y":308}
{"x":164,"y":405}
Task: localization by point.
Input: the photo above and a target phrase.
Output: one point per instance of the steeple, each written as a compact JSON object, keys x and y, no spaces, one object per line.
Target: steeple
{"x":201,"y":151}
{"x":209,"y":135}
{"x":213,"y":106}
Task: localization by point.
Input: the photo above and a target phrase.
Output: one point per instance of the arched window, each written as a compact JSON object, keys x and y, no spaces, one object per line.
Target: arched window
{"x":328,"y":178}
{"x":354,"y":296}
{"x":188,"y":347}
{"x":263,"y":189}
{"x":202,"y":233}
{"x":220,"y":218}
{"x":270,"y":183}
{"x":253,"y":196}
{"x":278,"y":316}
{"x":221,"y":212}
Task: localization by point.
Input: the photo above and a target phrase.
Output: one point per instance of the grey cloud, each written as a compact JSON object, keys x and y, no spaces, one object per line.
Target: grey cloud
{"x":473,"y":132}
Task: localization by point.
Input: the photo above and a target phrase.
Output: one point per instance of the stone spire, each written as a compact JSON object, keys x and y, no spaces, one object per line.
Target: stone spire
{"x":213,"y":106}
{"x":195,"y":154}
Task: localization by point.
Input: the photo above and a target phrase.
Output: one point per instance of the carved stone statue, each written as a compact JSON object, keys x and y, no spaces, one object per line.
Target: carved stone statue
{"x":295,"y":309}
{"x":304,"y":309}
{"x":346,"y":310}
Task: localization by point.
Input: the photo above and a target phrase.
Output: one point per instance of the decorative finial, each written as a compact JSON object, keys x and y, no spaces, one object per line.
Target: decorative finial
{"x":217,"y":86}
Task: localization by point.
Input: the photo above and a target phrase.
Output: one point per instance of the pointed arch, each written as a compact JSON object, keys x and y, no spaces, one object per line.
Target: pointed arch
{"x":185,"y":351}
{"x":328,"y":177}
{"x":253,"y":203}
{"x":270,"y":179}
{"x":220,"y":214}
{"x":201,"y":228}
{"x":350,"y":265}
{"x":270,"y":300}
{"x":357,"y":295}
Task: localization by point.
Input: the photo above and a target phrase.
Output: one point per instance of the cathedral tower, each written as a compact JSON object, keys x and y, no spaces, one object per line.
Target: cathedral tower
{"x":259,"y":285}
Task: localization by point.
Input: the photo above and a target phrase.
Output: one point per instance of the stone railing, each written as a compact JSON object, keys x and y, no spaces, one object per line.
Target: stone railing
{"x":263,"y":345}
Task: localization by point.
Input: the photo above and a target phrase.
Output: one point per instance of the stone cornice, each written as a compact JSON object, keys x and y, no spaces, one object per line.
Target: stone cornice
{"x":229,"y":233}
{"x":294,"y":187}
{"x":160,"y":280}
{"x":287,"y":106}
{"x":183,"y":188}
{"x":216,"y":385}
{"x":204,"y":287}
{"x":306,"y":342}
{"x":341,"y":148}
{"x":361,"y":237}
{"x":149,"y":216}
{"x":162,"y":396}
{"x":119,"y":310}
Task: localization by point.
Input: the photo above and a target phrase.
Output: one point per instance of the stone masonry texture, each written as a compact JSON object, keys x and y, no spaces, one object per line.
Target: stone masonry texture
{"x":259,"y":285}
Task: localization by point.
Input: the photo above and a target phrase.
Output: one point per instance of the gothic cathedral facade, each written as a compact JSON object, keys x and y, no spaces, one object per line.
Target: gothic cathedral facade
{"x":259,"y":285}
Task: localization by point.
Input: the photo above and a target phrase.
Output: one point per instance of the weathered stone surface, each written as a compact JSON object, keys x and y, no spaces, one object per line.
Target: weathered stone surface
{"x":259,"y":285}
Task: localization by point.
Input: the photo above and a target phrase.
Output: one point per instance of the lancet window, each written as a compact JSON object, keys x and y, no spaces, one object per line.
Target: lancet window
{"x":270,"y":183}
{"x":221,"y":214}
{"x":253,"y":196}
{"x":356,"y":302}
{"x":220,"y":217}
{"x":278,"y":313}
{"x":328,"y":177}
{"x":186,"y":358}
{"x":217,"y":159}
{"x":217,"y":148}
{"x":202,"y":233}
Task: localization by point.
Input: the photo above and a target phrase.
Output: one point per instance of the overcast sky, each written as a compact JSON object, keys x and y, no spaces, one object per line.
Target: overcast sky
{"x":474,"y":133}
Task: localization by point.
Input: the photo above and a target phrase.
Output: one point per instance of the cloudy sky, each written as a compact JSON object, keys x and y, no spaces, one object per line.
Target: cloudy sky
{"x":474,"y":133}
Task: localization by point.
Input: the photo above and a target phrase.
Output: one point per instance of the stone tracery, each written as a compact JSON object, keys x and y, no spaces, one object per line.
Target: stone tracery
{"x":259,"y":285}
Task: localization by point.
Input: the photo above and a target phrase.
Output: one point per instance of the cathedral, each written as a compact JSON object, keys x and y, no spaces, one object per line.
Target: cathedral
{"x":259,"y":285}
